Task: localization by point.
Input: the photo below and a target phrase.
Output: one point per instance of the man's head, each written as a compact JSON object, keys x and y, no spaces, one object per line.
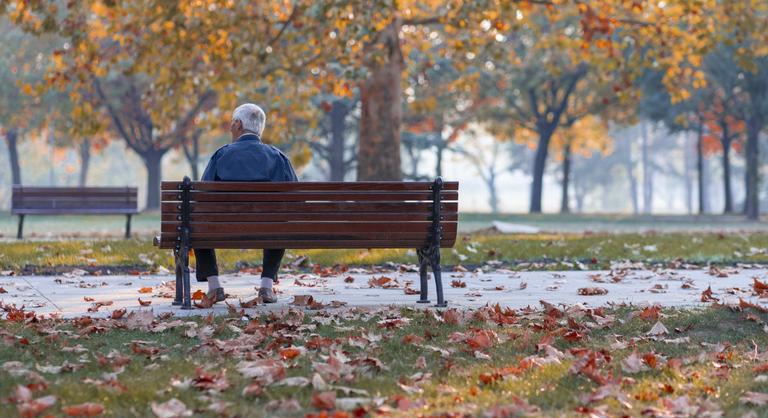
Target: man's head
{"x":247,"y":118}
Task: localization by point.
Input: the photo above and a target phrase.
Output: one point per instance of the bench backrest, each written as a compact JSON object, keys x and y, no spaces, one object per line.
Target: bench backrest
{"x":74,"y":200}
{"x":308,"y":214}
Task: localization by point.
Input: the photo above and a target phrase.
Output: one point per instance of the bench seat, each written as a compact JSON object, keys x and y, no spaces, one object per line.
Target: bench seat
{"x":309,"y":215}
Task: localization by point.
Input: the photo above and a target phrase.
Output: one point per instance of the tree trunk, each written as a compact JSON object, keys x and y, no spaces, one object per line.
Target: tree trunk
{"x":85,"y":161}
{"x":153,"y":163}
{"x":439,"y":157}
{"x":494,"y":196}
{"x":728,"y":194}
{"x":687,"y":180}
{"x":629,"y":165}
{"x":647,"y":171}
{"x":338,"y":116}
{"x":564,"y":202}
{"x":752,"y":203}
{"x":700,"y":169}
{"x":191,"y":150}
{"x":380,"y":95}
{"x":12,"y":140}
{"x":539,"y":164}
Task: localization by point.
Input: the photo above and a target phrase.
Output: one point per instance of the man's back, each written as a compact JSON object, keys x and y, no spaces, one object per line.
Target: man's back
{"x":249,"y":159}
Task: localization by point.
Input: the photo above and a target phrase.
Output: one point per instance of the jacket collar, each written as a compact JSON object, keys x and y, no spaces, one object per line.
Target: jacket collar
{"x":248,"y":137}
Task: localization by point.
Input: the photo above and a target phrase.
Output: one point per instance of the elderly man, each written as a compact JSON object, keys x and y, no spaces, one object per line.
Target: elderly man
{"x":245,"y":159}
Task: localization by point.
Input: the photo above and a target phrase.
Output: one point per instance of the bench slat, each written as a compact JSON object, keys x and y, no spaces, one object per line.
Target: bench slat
{"x":306,"y":244}
{"x":304,"y":196}
{"x":339,"y":228}
{"x":336,"y":207}
{"x":309,"y":186}
{"x":75,"y":211}
{"x":329,"y":217}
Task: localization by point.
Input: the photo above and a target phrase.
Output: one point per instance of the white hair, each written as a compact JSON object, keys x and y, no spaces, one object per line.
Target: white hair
{"x":251,"y":116}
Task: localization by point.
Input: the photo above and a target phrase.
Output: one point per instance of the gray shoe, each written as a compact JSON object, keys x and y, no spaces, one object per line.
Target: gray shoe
{"x":267,"y":296}
{"x":217,"y":295}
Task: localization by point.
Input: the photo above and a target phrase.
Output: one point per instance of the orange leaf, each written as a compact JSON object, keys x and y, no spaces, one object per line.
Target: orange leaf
{"x":118,"y":313}
{"x":145,"y":290}
{"x":324,"y":400}
{"x":289,"y":353}
{"x":88,"y":409}
{"x":198,"y":295}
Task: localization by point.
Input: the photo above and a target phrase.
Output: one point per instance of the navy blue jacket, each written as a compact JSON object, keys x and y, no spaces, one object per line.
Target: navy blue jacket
{"x":249,"y":159}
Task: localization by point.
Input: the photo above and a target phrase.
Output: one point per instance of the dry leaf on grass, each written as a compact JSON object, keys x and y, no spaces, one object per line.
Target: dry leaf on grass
{"x":658,"y":330}
{"x":88,"y":409}
{"x":173,"y":408}
{"x":754,"y":398}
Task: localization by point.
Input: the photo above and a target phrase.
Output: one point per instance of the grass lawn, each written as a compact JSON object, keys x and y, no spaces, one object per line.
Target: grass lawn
{"x":551,"y":362}
{"x":525,"y":251}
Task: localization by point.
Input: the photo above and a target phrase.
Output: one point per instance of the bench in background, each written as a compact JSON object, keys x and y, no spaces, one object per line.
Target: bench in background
{"x":74,"y":201}
{"x":303,"y":215}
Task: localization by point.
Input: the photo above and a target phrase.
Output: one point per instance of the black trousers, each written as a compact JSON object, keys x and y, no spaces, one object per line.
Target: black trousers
{"x":205,"y":264}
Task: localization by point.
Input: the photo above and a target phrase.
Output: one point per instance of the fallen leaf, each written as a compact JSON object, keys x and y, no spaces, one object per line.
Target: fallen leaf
{"x":658,"y":330}
{"x":303,"y":300}
{"x":458,"y":283}
{"x":324,"y":400}
{"x":198,"y":294}
{"x":754,"y":398}
{"x":205,"y":302}
{"x":118,"y":313}
{"x":144,"y":302}
{"x":706,"y":295}
{"x":145,"y":290}
{"x":250,"y":303}
{"x":173,"y":408}
{"x":88,"y":409}
{"x":33,"y":408}
{"x":761,"y":288}
{"x":592,"y":291}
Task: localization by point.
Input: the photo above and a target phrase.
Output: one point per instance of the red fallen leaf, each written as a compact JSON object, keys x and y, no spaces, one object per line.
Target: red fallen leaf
{"x":289,"y":353}
{"x":349,"y":279}
{"x":592,"y":291}
{"x":482,"y":339}
{"x":760,"y":368}
{"x":198,"y":295}
{"x":36,"y":407}
{"x":145,"y":290}
{"x":144,"y":302}
{"x":383,"y":282}
{"x":411,"y":291}
{"x":88,"y":409}
{"x":458,"y":283}
{"x":2,"y":290}
{"x":488,"y":378}
{"x":141,"y":349}
{"x":651,"y":313}
{"x":205,"y":302}
{"x":412,"y":339}
{"x":83,"y":321}
{"x":118,"y":313}
{"x":706,"y":295}
{"x":650,"y":359}
{"x":761,"y":288}
{"x":99,"y":304}
{"x":452,"y":316}
{"x":254,"y":389}
{"x":743,"y":304}
{"x":303,"y":300}
{"x":88,"y":299}
{"x":324,"y":400}
{"x":250,"y":303}
{"x":675,"y":363}
{"x":573,"y":336}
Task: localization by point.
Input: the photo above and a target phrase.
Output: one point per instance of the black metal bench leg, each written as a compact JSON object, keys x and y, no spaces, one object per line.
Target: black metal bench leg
{"x":128,"y":227}
{"x":436,"y":270}
{"x":177,"y":301}
{"x":423,"y":277}
{"x":187,"y":304}
{"x":20,"y":232}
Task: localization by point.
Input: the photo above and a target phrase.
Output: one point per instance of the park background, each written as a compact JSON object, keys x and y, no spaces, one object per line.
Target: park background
{"x":629,"y":108}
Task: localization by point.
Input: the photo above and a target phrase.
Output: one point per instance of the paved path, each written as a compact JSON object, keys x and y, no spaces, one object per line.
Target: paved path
{"x":67,"y":294}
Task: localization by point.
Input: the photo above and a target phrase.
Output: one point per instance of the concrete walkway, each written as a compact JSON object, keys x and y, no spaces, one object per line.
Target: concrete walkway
{"x":72,"y":294}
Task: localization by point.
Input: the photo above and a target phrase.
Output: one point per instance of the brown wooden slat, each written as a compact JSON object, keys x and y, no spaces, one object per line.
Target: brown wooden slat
{"x":309,"y":186}
{"x":305,"y":227}
{"x":304,"y":196}
{"x":52,"y":204}
{"x":328,"y":217}
{"x":74,"y":211}
{"x":87,"y":199}
{"x":305,"y":244}
{"x":335,"y":207}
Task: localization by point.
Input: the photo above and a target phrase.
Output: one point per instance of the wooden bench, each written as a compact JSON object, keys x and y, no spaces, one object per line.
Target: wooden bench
{"x":302,"y":215}
{"x":74,"y":201}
